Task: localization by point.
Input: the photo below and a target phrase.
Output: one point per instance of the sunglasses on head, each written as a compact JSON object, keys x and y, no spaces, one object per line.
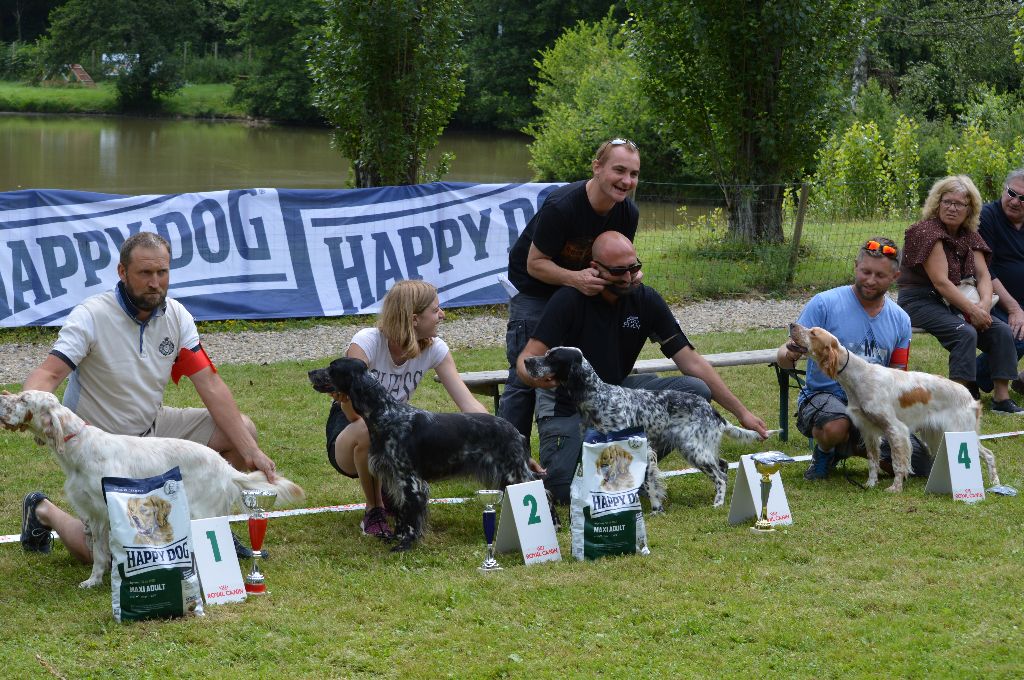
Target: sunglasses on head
{"x":619,"y":141}
{"x":879,"y":249}
{"x":1013,"y":194}
{"x":619,"y":271}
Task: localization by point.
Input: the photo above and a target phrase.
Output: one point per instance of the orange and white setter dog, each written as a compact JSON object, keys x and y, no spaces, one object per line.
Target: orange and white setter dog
{"x":885,"y":402}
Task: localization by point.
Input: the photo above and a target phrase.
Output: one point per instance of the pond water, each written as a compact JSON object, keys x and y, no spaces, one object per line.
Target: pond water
{"x":126,"y":155}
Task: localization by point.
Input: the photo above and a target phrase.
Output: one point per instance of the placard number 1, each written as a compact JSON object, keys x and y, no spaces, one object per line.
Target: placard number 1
{"x":963,"y":457}
{"x":529,"y":500}
{"x":212,"y":535}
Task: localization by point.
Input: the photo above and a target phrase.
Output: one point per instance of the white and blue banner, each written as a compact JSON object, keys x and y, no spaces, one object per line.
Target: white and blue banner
{"x":265,"y":253}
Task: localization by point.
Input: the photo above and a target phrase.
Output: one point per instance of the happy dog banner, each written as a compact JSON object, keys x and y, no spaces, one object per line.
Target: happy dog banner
{"x":264,"y":253}
{"x":152,"y":575}
{"x":604,"y":498}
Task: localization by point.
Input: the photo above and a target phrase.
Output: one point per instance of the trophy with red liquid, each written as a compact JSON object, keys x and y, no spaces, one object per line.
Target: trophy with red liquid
{"x":257,"y":502}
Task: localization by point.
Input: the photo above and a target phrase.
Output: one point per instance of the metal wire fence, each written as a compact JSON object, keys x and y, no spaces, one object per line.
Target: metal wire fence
{"x":688,"y":252}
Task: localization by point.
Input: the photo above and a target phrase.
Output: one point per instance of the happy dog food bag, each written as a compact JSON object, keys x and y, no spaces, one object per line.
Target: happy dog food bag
{"x":604,"y":499}
{"x":152,"y":575}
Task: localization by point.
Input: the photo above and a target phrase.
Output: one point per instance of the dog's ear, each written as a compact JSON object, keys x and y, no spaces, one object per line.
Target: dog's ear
{"x":828,"y":357}
{"x":163,"y":510}
{"x":48,"y":423}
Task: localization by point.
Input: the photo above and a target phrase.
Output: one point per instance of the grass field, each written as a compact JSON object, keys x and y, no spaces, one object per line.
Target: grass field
{"x":863,"y":584}
{"x":192,"y":101}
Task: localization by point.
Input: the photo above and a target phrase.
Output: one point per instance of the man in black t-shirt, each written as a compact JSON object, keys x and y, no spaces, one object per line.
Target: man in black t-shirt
{"x":554,"y":251}
{"x":611,"y":328}
{"x":1002,"y":227}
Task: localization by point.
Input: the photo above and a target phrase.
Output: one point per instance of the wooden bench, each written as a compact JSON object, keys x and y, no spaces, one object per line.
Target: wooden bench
{"x":488,"y":383}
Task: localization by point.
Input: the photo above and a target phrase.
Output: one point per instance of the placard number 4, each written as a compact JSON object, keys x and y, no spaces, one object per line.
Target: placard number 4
{"x":963,"y":457}
{"x":529,"y":500}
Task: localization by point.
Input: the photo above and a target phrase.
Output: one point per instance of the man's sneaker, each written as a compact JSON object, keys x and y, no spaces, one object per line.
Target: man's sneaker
{"x":1006,"y":407}
{"x":243,"y":551}
{"x":375,"y":523}
{"x":35,"y":536}
{"x":821,"y":464}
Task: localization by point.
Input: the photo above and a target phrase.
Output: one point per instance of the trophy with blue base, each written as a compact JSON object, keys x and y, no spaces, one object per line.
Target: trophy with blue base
{"x":490,"y":498}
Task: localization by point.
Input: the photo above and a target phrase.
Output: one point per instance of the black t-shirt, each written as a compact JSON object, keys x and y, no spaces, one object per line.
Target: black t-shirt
{"x":564,"y":229}
{"x":1007,"y":244}
{"x":610,"y":336}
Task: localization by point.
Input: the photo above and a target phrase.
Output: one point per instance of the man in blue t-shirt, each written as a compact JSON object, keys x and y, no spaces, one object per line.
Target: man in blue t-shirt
{"x":1002,"y":227}
{"x":868,"y":324}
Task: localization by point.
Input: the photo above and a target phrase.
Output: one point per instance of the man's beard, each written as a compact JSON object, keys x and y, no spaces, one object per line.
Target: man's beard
{"x":621,"y":290}
{"x":870,"y":298}
{"x":141,"y":303}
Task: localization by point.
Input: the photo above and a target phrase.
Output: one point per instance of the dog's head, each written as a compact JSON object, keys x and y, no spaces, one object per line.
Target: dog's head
{"x":820,"y":345}
{"x":557,"y":362}
{"x":339,"y":376}
{"x":148,"y":515}
{"x":37,"y":411}
{"x":613,"y":461}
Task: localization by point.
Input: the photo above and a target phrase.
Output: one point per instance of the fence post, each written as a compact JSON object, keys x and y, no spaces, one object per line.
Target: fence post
{"x":797,"y":231}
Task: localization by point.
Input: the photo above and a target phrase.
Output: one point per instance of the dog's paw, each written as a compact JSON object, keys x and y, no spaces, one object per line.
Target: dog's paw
{"x":91,"y":582}
{"x":895,"y":488}
{"x":403,"y":545}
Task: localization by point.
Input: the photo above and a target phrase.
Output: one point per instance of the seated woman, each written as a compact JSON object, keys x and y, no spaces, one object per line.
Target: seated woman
{"x":399,"y":351}
{"x":940,"y":252}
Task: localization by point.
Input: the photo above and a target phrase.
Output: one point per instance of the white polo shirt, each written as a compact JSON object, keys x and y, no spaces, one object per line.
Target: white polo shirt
{"x":121,"y":366}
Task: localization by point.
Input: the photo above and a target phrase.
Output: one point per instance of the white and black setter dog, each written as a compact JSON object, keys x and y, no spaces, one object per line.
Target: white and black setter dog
{"x":408,"y":445}
{"x":673,"y":420}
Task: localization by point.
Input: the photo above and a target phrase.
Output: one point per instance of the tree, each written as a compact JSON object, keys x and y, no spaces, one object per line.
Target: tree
{"x":386,"y":76}
{"x":145,"y":32}
{"x":749,"y":87}
{"x":276,"y":32}
{"x":588,"y":90}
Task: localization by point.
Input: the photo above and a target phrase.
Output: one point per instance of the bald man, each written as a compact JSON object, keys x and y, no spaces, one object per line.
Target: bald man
{"x":611,"y":329}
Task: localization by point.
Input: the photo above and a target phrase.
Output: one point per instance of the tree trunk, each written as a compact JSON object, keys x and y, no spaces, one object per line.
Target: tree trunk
{"x":755,"y":212}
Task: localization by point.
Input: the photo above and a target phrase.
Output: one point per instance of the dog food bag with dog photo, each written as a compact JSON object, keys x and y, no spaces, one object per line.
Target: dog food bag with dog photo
{"x":152,"y":575}
{"x":604,"y":498}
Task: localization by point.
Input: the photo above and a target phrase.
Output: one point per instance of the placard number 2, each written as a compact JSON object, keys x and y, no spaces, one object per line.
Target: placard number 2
{"x":531,"y":502}
{"x":963,"y":457}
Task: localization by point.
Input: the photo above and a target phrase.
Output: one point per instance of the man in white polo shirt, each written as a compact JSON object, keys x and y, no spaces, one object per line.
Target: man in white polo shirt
{"x":117,"y":350}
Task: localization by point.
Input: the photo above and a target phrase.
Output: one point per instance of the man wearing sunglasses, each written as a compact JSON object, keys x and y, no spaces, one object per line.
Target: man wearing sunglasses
{"x":868,"y":324}
{"x":1002,"y":227}
{"x":611,"y":328}
{"x":554,"y":251}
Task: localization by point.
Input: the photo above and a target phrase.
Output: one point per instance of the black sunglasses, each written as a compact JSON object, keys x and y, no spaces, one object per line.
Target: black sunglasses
{"x":619,"y":271}
{"x":1013,"y":194}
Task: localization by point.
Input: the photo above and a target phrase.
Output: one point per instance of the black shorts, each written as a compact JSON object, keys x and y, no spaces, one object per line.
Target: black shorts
{"x":336,"y":422}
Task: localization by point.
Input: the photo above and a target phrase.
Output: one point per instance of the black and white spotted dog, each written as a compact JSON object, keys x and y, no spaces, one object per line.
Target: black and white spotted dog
{"x":673,"y":420}
{"x":409,"y":445}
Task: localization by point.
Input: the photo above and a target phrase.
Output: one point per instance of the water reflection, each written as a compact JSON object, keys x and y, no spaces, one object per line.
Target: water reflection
{"x":113,"y":154}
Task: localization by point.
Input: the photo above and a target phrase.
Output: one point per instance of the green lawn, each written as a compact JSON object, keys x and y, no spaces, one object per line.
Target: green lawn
{"x":864,"y":584}
{"x":192,"y":101}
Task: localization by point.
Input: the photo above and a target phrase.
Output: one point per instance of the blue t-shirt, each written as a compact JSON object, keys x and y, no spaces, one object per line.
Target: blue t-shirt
{"x":875,"y":338}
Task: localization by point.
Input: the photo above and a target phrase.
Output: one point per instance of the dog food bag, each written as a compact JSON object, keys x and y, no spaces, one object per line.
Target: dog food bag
{"x":152,"y":575}
{"x":604,"y":498}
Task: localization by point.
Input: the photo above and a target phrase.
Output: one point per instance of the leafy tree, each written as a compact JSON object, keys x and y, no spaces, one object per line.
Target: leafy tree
{"x":588,"y":90}
{"x":749,"y":87}
{"x":983,"y":159}
{"x":275,"y":34}
{"x":503,"y":40}
{"x":146,"y":32}
{"x":386,"y":76}
{"x":901,"y":169}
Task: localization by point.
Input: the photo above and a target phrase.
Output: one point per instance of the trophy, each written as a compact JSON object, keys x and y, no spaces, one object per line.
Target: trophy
{"x":490,"y":497}
{"x":767,"y":464}
{"x":257,"y":502}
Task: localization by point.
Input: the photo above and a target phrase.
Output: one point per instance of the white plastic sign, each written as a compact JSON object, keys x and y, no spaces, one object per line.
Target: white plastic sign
{"x":746,"y":496}
{"x":957,"y":468}
{"x":525,"y":524}
{"x":214,"y":551}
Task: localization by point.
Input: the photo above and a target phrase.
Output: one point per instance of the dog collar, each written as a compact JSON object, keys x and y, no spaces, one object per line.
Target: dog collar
{"x":69,"y":437}
{"x":846,"y":364}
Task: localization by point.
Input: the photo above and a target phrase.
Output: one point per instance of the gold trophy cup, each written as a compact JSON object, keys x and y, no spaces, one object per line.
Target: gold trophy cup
{"x":767,"y":464}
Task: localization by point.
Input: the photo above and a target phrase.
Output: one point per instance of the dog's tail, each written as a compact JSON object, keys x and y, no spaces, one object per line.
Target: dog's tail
{"x":288,"y":492}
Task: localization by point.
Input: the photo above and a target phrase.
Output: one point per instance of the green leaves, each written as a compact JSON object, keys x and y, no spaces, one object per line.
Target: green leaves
{"x":386,"y":74}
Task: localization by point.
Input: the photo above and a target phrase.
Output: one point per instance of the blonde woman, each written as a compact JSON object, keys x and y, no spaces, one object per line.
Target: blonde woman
{"x":399,"y":351}
{"x":941,"y":251}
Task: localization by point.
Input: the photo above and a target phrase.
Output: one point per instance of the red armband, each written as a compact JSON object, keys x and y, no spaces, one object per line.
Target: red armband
{"x":900,"y":358}
{"x":190,"y":362}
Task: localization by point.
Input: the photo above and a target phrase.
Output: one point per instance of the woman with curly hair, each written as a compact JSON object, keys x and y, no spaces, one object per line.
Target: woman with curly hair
{"x":941,"y":252}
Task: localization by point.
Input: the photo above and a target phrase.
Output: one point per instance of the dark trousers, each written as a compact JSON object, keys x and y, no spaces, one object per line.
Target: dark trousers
{"x":517,"y":399}
{"x":984,"y":375}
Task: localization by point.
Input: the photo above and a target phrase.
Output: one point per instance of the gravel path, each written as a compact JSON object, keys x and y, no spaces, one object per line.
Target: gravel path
{"x":321,"y":342}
